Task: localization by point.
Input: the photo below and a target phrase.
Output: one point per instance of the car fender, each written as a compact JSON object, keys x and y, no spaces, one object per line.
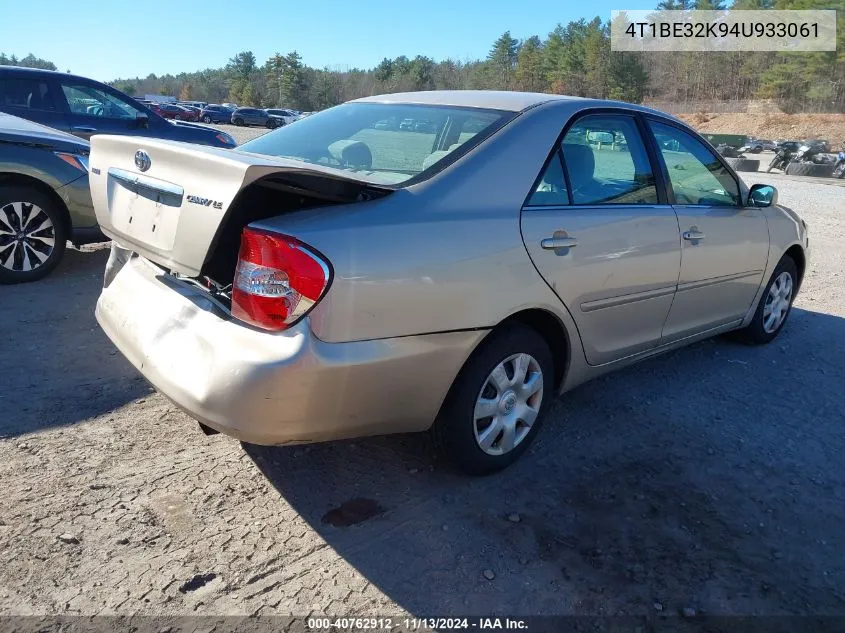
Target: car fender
{"x":786,"y":230}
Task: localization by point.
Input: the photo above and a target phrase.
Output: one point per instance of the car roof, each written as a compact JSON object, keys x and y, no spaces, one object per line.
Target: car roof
{"x":21,"y":70}
{"x":490,"y":99}
{"x":504,"y":100}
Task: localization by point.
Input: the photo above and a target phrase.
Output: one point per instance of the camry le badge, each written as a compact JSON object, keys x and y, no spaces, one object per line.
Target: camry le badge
{"x":205,"y":202}
{"x":142,"y":160}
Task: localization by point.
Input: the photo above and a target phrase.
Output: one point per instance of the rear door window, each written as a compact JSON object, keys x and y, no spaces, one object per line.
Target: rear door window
{"x":606,"y":162}
{"x":23,"y":92}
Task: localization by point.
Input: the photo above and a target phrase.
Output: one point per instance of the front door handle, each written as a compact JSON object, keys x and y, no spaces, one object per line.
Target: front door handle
{"x":694,"y":235}
{"x":84,"y":128}
{"x":555,"y":243}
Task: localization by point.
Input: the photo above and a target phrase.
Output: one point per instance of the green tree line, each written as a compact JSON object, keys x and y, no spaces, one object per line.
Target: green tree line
{"x":574,"y":58}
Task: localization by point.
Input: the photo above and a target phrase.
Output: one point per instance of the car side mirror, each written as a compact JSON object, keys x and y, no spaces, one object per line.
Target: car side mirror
{"x":142,"y":120}
{"x":762,"y":196}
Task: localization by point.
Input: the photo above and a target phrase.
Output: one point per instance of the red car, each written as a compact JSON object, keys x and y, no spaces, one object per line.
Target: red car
{"x":173,"y":111}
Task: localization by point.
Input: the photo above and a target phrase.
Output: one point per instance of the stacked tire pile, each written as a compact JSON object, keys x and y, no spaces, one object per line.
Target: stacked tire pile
{"x":744,"y":164}
{"x":810,"y":169}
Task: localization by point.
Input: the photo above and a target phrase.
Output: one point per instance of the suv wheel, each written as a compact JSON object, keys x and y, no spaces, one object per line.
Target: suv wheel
{"x":206,"y":119}
{"x":238,"y":121}
{"x":33,"y":235}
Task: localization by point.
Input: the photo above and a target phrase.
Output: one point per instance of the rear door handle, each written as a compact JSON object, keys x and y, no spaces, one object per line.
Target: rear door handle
{"x":694,"y":235}
{"x":84,"y":128}
{"x":554,"y":243}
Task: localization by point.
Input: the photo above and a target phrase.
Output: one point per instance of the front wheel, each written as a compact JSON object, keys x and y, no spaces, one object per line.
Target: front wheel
{"x":775,"y":305}
{"x":33,"y":235}
{"x":494,"y":408}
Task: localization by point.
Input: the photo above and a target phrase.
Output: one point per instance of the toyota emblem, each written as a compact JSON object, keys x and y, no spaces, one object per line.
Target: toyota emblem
{"x":142,"y":160}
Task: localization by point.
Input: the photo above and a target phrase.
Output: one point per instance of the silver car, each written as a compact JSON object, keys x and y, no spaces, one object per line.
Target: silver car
{"x":334,"y":279}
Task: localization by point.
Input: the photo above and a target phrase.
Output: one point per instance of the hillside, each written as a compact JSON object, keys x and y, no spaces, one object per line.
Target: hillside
{"x":773,"y":126}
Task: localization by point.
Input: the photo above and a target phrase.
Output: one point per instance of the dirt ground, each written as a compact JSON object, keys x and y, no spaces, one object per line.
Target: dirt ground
{"x":830,"y":127}
{"x":708,"y":480}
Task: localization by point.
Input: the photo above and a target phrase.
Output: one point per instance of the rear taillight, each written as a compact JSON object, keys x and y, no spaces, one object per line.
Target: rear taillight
{"x":277,"y":281}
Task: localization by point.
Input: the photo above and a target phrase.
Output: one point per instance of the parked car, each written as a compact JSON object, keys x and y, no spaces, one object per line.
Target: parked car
{"x":85,"y":107}
{"x":44,"y":198}
{"x":176,"y":112}
{"x":214,"y":113}
{"x":324,"y":287}
{"x":193,"y":112}
{"x":199,"y":105}
{"x":425,"y":126}
{"x":255,"y":116}
{"x":791,"y":146}
{"x":285,"y":116}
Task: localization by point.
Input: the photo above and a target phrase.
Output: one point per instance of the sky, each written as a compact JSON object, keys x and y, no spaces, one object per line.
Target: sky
{"x":106,"y":40}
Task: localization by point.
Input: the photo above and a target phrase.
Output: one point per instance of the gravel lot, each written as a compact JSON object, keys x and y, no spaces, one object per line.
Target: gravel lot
{"x":707,"y":479}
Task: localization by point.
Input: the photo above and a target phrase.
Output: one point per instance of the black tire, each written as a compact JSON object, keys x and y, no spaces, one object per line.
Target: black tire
{"x":13,"y":256}
{"x":238,"y":122}
{"x":809,"y":169}
{"x":455,"y":427}
{"x":755,"y":333}
{"x":743,"y":164}
{"x":207,"y":119}
{"x":271,"y":124}
{"x":839,"y":172}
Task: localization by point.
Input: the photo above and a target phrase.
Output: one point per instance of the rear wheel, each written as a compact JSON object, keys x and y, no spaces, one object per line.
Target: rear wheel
{"x":271,"y":124}
{"x":206,"y":119}
{"x":33,"y":235}
{"x":494,"y":408}
{"x":775,"y":305}
{"x":238,"y":122}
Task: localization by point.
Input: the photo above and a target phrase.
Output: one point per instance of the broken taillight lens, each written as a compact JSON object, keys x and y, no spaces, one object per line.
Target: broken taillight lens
{"x":277,"y":281}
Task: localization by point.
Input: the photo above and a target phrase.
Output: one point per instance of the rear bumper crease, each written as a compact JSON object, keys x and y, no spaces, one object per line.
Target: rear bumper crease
{"x":273,"y":388}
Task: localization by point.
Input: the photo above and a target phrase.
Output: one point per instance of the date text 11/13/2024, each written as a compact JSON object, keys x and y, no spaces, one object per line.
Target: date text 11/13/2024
{"x":416,"y":624}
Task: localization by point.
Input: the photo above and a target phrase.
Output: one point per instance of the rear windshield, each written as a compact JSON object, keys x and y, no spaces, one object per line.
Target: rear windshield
{"x":386,"y":144}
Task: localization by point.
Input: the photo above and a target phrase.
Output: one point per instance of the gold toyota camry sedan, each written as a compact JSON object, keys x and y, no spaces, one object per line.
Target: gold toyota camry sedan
{"x":436,"y":260}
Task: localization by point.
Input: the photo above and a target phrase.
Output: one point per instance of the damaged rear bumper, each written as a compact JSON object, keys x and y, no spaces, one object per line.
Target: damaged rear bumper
{"x":271,"y":388}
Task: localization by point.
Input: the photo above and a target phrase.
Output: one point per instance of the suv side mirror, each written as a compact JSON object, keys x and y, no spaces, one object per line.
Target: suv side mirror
{"x":142,"y":120}
{"x":762,"y":196}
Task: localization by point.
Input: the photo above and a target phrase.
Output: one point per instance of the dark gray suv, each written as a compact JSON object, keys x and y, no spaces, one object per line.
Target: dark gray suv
{"x":255,"y":116}
{"x":85,"y":107}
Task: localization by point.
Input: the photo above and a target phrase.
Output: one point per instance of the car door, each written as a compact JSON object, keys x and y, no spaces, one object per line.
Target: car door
{"x":32,"y":98}
{"x":93,"y":110}
{"x":600,"y":231}
{"x":724,"y":246}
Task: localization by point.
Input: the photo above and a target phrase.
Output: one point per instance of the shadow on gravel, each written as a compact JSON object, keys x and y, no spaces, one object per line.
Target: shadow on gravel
{"x":708,"y":479}
{"x":56,"y":365}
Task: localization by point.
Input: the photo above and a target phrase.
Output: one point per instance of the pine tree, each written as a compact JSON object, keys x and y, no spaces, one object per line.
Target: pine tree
{"x":502,"y":58}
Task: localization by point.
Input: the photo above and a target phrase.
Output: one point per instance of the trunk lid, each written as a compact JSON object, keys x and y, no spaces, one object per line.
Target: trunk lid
{"x":165,"y":200}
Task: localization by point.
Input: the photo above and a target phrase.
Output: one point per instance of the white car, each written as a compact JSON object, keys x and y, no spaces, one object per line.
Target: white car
{"x":288,"y":116}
